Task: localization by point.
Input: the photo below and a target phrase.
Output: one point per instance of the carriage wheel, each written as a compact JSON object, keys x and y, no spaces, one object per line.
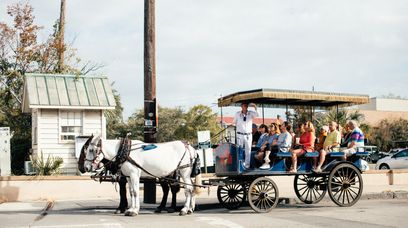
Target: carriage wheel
{"x":231,"y":196}
{"x":345,"y":185}
{"x":263,"y":195}
{"x":310,"y":189}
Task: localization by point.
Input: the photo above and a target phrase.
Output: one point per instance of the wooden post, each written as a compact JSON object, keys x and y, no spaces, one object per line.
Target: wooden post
{"x":150,"y":113}
{"x":60,"y":38}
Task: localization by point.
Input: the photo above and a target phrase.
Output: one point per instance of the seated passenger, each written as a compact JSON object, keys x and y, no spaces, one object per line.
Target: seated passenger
{"x":306,"y":144}
{"x":297,"y":133}
{"x":272,"y":137}
{"x":284,"y":143}
{"x":346,"y":136}
{"x":322,"y":136}
{"x":356,"y":139}
{"x":263,"y":130}
{"x":330,"y":144}
{"x":255,"y":134}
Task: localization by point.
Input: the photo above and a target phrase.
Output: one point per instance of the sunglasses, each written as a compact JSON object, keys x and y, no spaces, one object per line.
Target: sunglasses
{"x":244,"y":118}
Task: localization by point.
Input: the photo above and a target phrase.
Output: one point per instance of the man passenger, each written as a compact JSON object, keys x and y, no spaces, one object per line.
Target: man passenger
{"x":330,"y":144}
{"x":284,"y":143}
{"x":356,"y":139}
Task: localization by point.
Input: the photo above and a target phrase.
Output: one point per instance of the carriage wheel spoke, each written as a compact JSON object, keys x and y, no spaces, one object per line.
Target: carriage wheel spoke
{"x":353,"y":191}
{"x":347,"y":196}
{"x":314,"y":193}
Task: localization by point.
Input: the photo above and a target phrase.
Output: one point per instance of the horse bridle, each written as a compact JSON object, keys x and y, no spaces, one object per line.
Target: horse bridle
{"x":96,"y":152}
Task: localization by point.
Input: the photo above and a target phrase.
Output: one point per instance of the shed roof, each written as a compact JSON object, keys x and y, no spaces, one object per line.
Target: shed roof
{"x":56,"y":91}
{"x":281,"y":98}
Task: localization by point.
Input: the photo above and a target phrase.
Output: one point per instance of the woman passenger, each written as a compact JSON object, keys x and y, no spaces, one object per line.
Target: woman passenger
{"x":272,"y":137}
{"x":306,"y":144}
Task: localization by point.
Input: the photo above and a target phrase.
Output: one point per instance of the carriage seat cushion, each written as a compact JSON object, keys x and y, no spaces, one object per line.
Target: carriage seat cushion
{"x":284,"y":154}
{"x":312,"y":154}
{"x":337,"y":154}
{"x":360,"y":154}
{"x":149,"y":147}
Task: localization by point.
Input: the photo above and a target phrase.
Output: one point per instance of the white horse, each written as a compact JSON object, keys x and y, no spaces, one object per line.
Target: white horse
{"x":161,"y":161}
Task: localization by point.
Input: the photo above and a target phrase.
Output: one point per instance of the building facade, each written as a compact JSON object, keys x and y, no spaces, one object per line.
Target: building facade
{"x":64,"y":107}
{"x":384,"y":108}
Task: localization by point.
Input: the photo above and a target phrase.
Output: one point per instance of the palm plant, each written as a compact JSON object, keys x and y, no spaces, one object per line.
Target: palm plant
{"x":340,"y":116}
{"x":47,"y":167}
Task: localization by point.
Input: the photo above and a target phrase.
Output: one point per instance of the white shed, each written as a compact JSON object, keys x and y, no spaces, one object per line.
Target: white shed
{"x":63,"y":107}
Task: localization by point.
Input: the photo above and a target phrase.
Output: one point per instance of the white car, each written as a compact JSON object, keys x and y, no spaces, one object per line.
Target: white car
{"x":398,"y":160}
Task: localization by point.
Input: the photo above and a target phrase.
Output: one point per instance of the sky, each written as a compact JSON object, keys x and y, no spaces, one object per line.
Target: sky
{"x":205,"y":49}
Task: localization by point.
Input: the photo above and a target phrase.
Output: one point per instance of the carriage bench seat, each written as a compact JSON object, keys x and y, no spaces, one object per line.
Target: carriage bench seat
{"x":284,"y":154}
{"x":337,"y":154}
{"x":361,"y":154}
{"x":312,"y":154}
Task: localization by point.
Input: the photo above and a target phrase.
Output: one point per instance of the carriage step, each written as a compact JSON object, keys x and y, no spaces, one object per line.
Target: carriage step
{"x":312,"y":154}
{"x":337,"y":154}
{"x":284,"y":154}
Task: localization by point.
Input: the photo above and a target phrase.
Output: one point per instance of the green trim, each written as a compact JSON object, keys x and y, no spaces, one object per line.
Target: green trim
{"x":106,"y":95}
{"x":76,"y":89}
{"x":64,"y":75}
{"x":96,"y":92}
{"x":36,"y":90}
{"x":66,"y":89}
{"x":86,"y":91}
{"x":58,"y":94}
{"x":46,"y":89}
{"x":51,"y":80}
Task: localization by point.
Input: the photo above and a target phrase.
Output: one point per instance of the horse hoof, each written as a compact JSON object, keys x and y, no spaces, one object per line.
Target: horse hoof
{"x":120,"y":211}
{"x":170,"y":210}
{"x":182,"y":213}
{"x":130,"y":213}
{"x":189,"y":212}
{"x":158,"y":210}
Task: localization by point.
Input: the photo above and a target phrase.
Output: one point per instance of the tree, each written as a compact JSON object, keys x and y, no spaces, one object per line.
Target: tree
{"x":135,"y":125}
{"x":341,"y":117}
{"x":20,"y":53}
{"x":170,"y":119}
{"x":198,"y":118}
{"x":175,"y":124}
{"x":114,"y":118}
{"x":387,"y":133}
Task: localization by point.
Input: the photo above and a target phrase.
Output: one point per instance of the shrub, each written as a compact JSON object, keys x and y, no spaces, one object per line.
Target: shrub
{"x":47,"y":167}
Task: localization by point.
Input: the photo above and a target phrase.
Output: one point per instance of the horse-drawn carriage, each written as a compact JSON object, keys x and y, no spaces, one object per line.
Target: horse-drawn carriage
{"x":236,"y":184}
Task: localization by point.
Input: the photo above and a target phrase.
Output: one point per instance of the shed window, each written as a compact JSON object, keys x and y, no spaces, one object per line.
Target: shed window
{"x":71,"y":125}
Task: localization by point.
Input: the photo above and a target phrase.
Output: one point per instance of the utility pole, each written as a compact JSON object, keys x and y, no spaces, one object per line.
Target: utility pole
{"x":150,"y":112}
{"x":60,"y":38}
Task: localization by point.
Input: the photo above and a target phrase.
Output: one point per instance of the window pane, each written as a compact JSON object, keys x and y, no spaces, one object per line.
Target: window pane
{"x":67,"y":137}
{"x":71,"y":118}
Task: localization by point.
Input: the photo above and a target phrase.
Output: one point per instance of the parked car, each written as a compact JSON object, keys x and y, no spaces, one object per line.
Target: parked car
{"x":373,"y":154}
{"x":393,"y":151}
{"x":398,"y":160}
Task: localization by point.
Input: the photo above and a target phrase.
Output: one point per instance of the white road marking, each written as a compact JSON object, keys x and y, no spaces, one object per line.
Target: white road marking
{"x":214,"y":221}
{"x":107,"y":225}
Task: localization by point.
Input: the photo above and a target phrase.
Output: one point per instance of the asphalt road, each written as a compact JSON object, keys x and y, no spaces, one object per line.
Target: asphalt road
{"x":99,"y":213}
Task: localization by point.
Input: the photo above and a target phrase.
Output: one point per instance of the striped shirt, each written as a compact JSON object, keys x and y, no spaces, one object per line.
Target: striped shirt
{"x":357,"y":137}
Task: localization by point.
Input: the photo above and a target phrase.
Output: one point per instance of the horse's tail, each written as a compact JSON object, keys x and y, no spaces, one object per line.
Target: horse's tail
{"x":197,"y":181}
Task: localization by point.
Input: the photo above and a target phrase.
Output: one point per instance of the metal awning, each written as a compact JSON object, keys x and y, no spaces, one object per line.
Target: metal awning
{"x":292,"y":98}
{"x":55,"y":91}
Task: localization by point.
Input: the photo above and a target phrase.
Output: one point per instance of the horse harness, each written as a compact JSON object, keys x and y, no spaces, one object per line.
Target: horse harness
{"x":123,"y":155}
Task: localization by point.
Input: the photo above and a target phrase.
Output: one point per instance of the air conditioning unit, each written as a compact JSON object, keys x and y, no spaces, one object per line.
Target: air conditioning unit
{"x":28,"y":168}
